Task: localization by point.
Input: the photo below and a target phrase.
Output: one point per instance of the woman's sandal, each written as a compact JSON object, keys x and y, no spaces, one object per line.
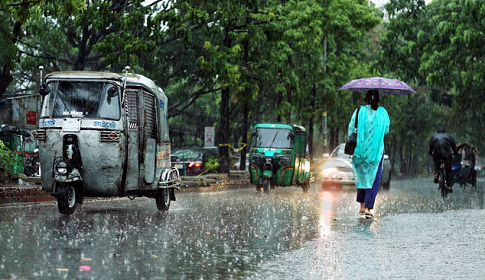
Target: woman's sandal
{"x":362,"y":213}
{"x":369,"y":216}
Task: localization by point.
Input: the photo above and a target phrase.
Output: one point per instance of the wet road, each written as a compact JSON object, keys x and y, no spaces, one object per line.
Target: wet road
{"x":236,"y":234}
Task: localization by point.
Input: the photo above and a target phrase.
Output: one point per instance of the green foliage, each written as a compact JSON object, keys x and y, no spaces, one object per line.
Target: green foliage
{"x":6,"y":162}
{"x":437,"y":49}
{"x":212,"y":164}
{"x":15,"y":16}
{"x":233,"y":63}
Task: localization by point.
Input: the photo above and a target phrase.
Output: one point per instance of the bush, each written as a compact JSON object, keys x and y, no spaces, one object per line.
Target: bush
{"x":212,"y":164}
{"x":6,"y":162}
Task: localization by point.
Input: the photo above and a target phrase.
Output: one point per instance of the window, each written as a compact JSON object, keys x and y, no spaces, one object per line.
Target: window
{"x":96,"y":100}
{"x":272,"y":138}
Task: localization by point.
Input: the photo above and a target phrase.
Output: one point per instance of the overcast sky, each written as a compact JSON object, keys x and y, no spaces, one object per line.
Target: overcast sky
{"x":380,"y":3}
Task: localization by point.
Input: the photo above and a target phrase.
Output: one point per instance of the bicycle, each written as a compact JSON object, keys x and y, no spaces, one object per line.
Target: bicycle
{"x":442,"y":180}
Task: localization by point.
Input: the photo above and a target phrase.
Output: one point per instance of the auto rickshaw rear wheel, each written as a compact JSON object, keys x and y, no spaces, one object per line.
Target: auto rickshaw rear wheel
{"x":67,"y":198}
{"x":163,"y":199}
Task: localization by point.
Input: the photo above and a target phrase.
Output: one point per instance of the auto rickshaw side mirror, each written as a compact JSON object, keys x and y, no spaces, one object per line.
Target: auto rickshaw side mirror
{"x":113,"y":92}
{"x":291,"y":134}
{"x":44,"y":90}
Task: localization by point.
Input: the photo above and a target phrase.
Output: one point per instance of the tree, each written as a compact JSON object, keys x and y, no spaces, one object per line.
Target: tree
{"x":13,"y":17}
{"x":453,"y":61}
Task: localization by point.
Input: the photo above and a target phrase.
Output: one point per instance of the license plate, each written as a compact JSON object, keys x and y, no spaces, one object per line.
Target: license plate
{"x":71,"y":125}
{"x":179,"y":166}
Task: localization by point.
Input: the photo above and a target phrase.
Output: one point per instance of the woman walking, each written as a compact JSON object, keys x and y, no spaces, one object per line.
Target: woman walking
{"x":373,"y":125}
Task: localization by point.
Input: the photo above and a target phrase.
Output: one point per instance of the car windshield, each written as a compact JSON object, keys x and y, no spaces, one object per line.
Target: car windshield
{"x":337,"y":162}
{"x":339,"y":152}
{"x":272,"y":138}
{"x":95,"y":100}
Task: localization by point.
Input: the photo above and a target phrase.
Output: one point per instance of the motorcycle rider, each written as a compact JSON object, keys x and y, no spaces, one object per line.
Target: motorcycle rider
{"x":441,"y":147}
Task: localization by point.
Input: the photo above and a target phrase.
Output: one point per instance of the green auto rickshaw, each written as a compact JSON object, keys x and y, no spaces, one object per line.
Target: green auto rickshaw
{"x":13,"y":139}
{"x":279,"y":156}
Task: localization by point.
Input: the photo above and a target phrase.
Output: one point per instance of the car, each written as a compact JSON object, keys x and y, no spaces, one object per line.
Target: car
{"x":237,"y":163}
{"x":188,"y":161}
{"x":193,"y":159}
{"x":337,"y":169}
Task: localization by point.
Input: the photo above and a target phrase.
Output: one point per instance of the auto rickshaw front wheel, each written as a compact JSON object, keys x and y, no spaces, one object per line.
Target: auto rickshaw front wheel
{"x":163,"y":199}
{"x":68,"y":197}
{"x":266,"y":185}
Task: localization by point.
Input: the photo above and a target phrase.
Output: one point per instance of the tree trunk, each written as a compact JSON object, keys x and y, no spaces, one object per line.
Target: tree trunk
{"x":5,"y":80}
{"x":223,"y":131}
{"x":401,"y":156}
{"x":278,"y":105}
{"x":245,"y":120}
{"x":310,"y":129}
{"x":80,"y":62}
{"x":392,"y":157}
{"x":5,"y":73}
{"x":245,"y":128}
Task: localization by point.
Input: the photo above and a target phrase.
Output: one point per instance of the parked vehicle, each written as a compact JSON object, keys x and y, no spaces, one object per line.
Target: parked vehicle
{"x":279,"y":156}
{"x":104,"y":134}
{"x":237,"y":163}
{"x":188,"y":161}
{"x":191,"y":161}
{"x":337,"y":170}
{"x":464,"y":166}
{"x":31,"y":157}
{"x":19,"y":141}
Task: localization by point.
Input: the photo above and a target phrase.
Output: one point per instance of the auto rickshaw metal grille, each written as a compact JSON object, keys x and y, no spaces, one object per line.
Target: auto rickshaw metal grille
{"x":109,"y":136}
{"x":39,"y":134}
{"x":150,"y":115}
{"x":132,"y":108}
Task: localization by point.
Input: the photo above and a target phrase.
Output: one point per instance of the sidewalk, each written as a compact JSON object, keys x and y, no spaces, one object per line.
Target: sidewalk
{"x":29,"y":190}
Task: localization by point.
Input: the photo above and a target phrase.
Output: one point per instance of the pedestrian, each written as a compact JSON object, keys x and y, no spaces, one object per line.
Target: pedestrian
{"x":373,"y":125}
{"x":441,"y":148}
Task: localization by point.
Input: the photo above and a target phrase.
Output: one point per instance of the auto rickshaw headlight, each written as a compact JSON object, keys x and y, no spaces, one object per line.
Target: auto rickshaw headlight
{"x":61,"y":168}
{"x":258,"y":159}
{"x":283,"y":160}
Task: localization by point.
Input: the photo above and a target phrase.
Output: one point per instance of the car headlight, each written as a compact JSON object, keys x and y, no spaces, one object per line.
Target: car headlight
{"x":61,"y":168}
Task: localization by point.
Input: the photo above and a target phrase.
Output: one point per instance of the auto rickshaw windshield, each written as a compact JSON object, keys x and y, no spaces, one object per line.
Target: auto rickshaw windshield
{"x":273,"y":138}
{"x":82,"y":99}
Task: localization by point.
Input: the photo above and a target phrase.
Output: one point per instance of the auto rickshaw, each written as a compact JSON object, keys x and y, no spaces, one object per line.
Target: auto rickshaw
{"x":104,"y":135}
{"x":15,"y":139}
{"x":279,"y":156}
{"x":464,"y":165}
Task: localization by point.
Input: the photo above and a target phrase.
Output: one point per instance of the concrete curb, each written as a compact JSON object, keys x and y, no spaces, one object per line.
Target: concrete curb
{"x":23,"y":194}
{"x":33,"y":193}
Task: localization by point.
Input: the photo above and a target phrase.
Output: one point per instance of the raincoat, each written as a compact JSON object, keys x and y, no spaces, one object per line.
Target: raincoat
{"x":372,"y":127}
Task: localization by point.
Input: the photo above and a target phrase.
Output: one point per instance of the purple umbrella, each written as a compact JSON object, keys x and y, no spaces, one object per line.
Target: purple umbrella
{"x":383,"y":85}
